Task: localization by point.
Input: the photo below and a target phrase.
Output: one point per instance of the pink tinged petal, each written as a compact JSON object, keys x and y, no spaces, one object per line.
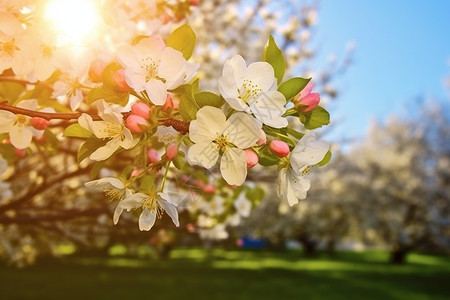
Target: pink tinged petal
{"x":20,"y":136}
{"x":252,"y":158}
{"x":171,"y":211}
{"x":310,"y":102}
{"x":306,"y":91}
{"x":233,"y":166}
{"x":141,"y":109}
{"x":7,"y":120}
{"x":157,"y":91}
{"x":203,"y":154}
{"x":150,"y":47}
{"x":106,"y":151}
{"x":147,"y":219}
{"x":117,"y":213}
{"x":242,"y":130}
{"x":105,"y":183}
{"x":208,"y":126}
{"x":9,"y":25}
{"x":136,"y":123}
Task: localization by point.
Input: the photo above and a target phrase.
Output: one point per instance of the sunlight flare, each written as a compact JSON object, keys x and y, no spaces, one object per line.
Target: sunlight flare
{"x":73,"y":19}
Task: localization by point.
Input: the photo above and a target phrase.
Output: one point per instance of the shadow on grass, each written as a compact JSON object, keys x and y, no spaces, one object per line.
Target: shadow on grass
{"x":220,"y":274}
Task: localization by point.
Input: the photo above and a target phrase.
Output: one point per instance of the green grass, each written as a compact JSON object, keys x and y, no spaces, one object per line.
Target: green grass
{"x":220,"y":274}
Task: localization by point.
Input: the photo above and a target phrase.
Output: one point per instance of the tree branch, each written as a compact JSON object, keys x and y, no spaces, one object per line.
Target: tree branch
{"x":178,"y":125}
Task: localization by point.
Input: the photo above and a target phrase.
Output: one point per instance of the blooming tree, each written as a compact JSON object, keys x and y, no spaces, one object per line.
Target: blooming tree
{"x":122,"y":89}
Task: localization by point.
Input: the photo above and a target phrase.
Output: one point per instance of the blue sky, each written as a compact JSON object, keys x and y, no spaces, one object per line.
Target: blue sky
{"x":403,"y":52}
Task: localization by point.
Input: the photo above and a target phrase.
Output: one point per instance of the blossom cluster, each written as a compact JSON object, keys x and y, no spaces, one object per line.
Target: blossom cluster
{"x":130,"y":91}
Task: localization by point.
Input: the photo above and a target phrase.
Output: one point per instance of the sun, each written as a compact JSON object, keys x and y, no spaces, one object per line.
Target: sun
{"x":74,"y":20}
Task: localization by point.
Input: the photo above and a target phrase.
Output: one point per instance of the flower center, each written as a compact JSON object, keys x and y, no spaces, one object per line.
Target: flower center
{"x":221,"y":143}
{"x":8,"y":48}
{"x":150,"y":67}
{"x":46,"y":51}
{"x":21,"y":120}
{"x":112,"y":129}
{"x":115,"y":194}
{"x":248,"y":91}
{"x":151,"y":203}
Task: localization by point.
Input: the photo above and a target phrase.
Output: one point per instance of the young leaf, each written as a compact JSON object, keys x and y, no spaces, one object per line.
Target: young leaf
{"x":293,"y":86}
{"x":108,"y":95}
{"x":274,"y":56}
{"x":89,"y":147}
{"x":209,"y":99}
{"x":315,"y":119}
{"x":75,"y":130}
{"x":184,"y":40}
{"x":325,"y":159}
{"x":188,"y":107}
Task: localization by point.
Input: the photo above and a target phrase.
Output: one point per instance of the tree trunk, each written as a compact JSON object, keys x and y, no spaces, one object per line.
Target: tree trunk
{"x":309,"y":246}
{"x":398,"y":255}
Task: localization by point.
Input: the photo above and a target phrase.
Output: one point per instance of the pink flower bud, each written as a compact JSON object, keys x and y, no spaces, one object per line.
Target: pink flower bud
{"x":136,"y":172}
{"x":209,"y":189}
{"x":279,"y":148}
{"x":252,"y":158}
{"x":262,"y":138}
{"x":194,"y":2}
{"x":39,"y":123}
{"x":309,"y":103}
{"x":307,"y":90}
{"x":20,"y":152}
{"x":165,"y":18}
{"x":119,"y":80}
{"x":153,"y":156}
{"x":172,"y":151}
{"x":96,"y":70}
{"x":141,"y":109}
{"x":306,"y":101}
{"x":136,"y":124}
{"x":168,"y":105}
{"x":199,"y":183}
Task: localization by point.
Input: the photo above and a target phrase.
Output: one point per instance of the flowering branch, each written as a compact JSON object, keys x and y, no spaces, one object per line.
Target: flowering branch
{"x":178,"y":125}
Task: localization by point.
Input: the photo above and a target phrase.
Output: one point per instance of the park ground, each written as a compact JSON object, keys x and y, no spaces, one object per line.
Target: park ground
{"x":231,"y":274}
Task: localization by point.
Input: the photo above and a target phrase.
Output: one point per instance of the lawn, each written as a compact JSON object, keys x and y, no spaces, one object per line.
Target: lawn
{"x":221,"y":274}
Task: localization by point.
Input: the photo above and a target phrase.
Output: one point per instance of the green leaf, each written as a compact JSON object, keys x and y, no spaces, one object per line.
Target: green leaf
{"x":75,"y":130}
{"x":188,"y":107}
{"x":108,"y":75}
{"x":96,"y":168}
{"x":255,"y":195}
{"x":11,"y":91}
{"x":184,"y":40}
{"x":108,"y":95}
{"x":148,"y":183}
{"x":315,"y":119}
{"x":266,"y":158}
{"x":274,"y":56}
{"x":51,"y":139}
{"x":294,"y":133}
{"x":209,"y":99}
{"x":89,"y":147}
{"x":293,"y":86}
{"x":179,"y":161}
{"x":325,"y":159}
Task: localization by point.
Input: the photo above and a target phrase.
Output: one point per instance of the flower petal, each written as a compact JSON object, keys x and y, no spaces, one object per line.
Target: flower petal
{"x":171,"y":211}
{"x":209,"y":125}
{"x":106,"y":151}
{"x":203,"y":154}
{"x":20,"y":136}
{"x":157,"y":91}
{"x":242,"y":130}
{"x":7,"y":120}
{"x":133,"y":201}
{"x":117,"y":212}
{"x":147,"y":219}
{"x":269,"y":107}
{"x":105,"y":183}
{"x":233,"y":166}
